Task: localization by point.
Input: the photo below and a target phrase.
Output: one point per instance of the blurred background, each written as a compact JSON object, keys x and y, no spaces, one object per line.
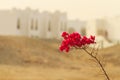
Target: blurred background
{"x":30,"y":36}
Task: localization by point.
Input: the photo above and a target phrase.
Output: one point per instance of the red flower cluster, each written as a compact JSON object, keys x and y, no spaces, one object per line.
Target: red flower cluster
{"x":75,"y":40}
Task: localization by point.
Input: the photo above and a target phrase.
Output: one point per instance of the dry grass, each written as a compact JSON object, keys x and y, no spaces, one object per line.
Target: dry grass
{"x":23,"y":58}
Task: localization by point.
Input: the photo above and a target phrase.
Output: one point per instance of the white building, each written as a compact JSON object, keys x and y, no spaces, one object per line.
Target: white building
{"x":106,"y":30}
{"x":77,"y":25}
{"x":109,"y":28}
{"x":113,"y":24}
{"x":91,"y":28}
{"x":32,"y":23}
{"x":8,"y":23}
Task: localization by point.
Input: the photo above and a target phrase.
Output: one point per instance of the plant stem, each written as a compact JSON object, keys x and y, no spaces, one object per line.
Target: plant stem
{"x":98,"y":61}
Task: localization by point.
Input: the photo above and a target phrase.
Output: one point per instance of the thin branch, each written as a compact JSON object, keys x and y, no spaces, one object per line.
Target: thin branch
{"x":98,"y":61}
{"x":93,"y":50}
{"x":96,"y":53}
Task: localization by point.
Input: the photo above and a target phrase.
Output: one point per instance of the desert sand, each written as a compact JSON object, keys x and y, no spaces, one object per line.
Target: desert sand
{"x":23,"y":58}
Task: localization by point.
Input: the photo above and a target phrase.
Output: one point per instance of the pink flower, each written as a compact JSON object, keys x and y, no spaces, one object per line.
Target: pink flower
{"x":75,"y":40}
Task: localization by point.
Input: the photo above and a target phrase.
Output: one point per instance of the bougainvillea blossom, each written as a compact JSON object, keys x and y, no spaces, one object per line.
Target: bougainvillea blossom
{"x":75,"y":40}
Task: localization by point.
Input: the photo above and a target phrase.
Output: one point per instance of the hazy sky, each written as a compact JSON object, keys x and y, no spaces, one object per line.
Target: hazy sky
{"x":81,"y":9}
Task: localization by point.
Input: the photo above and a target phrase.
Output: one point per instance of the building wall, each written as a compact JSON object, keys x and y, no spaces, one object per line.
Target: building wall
{"x":113,"y":25}
{"x":91,"y":28}
{"x":46,"y":27}
{"x":58,"y":23}
{"x":22,"y":21}
{"x":76,"y":25}
{"x":62,"y":24}
{"x":106,"y":28}
{"x":32,"y":23}
{"x":8,"y":20}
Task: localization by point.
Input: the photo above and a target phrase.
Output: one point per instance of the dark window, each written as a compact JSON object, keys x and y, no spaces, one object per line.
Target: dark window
{"x":18,"y":24}
{"x":32,"y":24}
{"x":36,"y":25}
{"x":49,"y":26}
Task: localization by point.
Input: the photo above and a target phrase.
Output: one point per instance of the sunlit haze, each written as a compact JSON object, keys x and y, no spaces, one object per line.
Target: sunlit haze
{"x":76,"y":9}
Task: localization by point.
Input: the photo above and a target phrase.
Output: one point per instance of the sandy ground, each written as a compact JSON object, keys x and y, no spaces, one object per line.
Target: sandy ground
{"x":36,"y":59}
{"x":8,"y":72}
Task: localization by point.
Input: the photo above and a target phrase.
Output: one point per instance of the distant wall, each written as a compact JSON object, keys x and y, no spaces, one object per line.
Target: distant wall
{"x":32,"y":23}
{"x":91,"y":28}
{"x":77,"y":26}
{"x":8,"y":23}
{"x":113,"y":28}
